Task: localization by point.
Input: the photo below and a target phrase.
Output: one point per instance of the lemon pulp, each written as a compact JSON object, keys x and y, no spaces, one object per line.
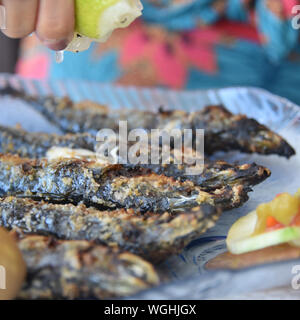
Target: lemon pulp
{"x":88,"y":14}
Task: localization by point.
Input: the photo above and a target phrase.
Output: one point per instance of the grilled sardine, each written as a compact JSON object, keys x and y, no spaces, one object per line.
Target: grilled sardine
{"x":80,"y":269}
{"x":113,"y":186}
{"x":151,"y":236}
{"x":224,"y":131}
{"x":81,"y":146}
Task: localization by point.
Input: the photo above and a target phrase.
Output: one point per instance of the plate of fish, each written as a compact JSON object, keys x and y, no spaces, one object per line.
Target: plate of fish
{"x":89,"y":229}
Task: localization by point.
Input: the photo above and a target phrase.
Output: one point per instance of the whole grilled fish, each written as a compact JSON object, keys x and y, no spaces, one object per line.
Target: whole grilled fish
{"x":214,"y":174}
{"x":81,"y":146}
{"x":58,"y":269}
{"x":151,"y":236}
{"x":113,"y":186}
{"x":224,"y":131}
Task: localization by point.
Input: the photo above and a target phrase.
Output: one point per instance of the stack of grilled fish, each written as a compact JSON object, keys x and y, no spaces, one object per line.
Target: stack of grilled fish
{"x":91,"y":229}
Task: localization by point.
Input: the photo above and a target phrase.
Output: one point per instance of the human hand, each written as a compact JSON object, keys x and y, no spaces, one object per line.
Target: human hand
{"x":52,"y":20}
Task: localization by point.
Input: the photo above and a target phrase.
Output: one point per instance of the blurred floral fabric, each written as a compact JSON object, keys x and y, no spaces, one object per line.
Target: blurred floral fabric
{"x":188,"y":44}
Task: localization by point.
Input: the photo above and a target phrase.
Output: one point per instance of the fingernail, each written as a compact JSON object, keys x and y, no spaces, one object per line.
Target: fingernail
{"x":2,"y":18}
{"x":56,"y":45}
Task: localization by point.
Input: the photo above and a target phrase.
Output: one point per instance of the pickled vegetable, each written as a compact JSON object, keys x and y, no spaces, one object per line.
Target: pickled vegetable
{"x":271,"y":224}
{"x":264,"y":240}
{"x":283,"y":208}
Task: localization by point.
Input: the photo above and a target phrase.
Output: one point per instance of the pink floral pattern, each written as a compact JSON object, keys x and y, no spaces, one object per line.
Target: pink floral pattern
{"x":151,"y":54}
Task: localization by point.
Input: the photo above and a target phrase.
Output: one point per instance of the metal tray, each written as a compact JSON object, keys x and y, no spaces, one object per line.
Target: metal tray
{"x":189,"y":279}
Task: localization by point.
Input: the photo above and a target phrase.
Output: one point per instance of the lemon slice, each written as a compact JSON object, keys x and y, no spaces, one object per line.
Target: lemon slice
{"x":97,"y":19}
{"x":240,"y":239}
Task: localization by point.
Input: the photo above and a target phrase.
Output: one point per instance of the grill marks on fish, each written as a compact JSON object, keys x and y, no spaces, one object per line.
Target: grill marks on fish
{"x":224,"y":131}
{"x":151,"y":236}
{"x":81,"y":146}
{"x":61,"y":269}
{"x":114,"y":186}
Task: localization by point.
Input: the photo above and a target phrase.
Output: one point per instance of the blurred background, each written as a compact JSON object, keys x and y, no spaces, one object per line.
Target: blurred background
{"x":182,"y":44}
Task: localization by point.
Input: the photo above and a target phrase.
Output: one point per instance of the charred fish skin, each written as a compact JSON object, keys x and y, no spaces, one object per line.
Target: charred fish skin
{"x":75,"y":181}
{"x":215,"y":174}
{"x":223,"y":130}
{"x":71,"y":180}
{"x":149,"y":192}
{"x":228,"y":133}
{"x":152,"y":236}
{"x":35,"y":145}
{"x":61,"y":269}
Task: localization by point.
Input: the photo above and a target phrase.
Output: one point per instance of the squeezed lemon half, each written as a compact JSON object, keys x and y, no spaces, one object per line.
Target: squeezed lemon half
{"x":97,"y":19}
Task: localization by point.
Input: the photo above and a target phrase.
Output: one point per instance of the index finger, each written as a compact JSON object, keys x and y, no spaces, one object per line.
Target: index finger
{"x":56,"y":23}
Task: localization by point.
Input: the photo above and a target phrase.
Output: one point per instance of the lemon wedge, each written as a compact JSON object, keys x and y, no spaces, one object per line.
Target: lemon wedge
{"x":97,"y":19}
